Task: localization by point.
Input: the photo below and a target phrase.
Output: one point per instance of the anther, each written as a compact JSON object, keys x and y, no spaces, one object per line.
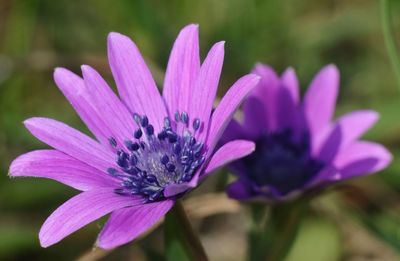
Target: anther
{"x":145,"y":121}
{"x":150,"y":130}
{"x":177,"y":116}
{"x":161,"y":135}
{"x":185,"y":117}
{"x":177,"y":148}
{"x":196,"y":124}
{"x":112,"y":171}
{"x":164,"y":159}
{"x":135,"y":146}
{"x":133,"y":160}
{"x":167,"y":123}
{"x":170,"y":167}
{"x":137,"y":118}
{"x":113,"y":142}
{"x":138,"y":133}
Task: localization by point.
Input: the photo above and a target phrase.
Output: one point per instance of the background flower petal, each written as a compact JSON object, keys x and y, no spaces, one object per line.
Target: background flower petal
{"x":291,"y":83}
{"x":355,"y":124}
{"x":320,"y":99}
{"x":362,"y":157}
{"x":267,"y":92}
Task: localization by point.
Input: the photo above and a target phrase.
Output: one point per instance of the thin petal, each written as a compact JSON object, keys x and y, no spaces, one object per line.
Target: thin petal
{"x":115,"y":115}
{"x":124,"y":225}
{"x":70,"y":141}
{"x":267,"y":92}
{"x":182,"y":70}
{"x":329,"y":174}
{"x":291,"y":83}
{"x":74,"y":89}
{"x":229,"y":152}
{"x":320,"y":99}
{"x":355,"y":124}
{"x":288,"y":114}
{"x":227,"y":107}
{"x":240,"y":190}
{"x":362,"y":158}
{"x":80,"y":211}
{"x":58,"y":166}
{"x":206,"y":86}
{"x":134,"y":80}
{"x":234,"y":131}
{"x":331,"y":145}
{"x":255,"y":118}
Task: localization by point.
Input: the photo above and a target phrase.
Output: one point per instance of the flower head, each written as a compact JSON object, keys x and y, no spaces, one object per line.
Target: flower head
{"x":298,"y":146}
{"x":149,"y":149}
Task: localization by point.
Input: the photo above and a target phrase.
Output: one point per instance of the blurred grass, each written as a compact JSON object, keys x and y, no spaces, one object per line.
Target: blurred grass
{"x":38,"y":35}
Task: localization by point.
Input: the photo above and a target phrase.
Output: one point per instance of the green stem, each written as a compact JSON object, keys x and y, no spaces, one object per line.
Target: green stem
{"x":273,"y":242}
{"x":389,"y":38}
{"x":178,"y":230}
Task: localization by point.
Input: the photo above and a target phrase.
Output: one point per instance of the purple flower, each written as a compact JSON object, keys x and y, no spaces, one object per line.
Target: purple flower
{"x":298,"y":146}
{"x":149,"y":149}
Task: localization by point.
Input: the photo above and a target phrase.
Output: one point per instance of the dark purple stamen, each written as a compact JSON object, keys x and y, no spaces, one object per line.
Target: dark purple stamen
{"x":113,"y":142}
{"x":138,"y":133}
{"x":282,"y":162}
{"x":153,"y":163}
{"x":185,"y":117}
{"x":196,"y":124}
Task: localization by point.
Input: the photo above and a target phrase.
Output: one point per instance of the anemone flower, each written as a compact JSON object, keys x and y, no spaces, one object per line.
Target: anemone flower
{"x":299,"y":148}
{"x":149,"y":150}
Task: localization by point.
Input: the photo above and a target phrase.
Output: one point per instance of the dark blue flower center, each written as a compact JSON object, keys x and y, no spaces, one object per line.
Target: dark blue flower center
{"x":282,"y":162}
{"x":150,"y":162}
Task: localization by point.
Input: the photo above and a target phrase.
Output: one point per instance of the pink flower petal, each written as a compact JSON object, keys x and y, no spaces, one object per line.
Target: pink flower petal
{"x":74,"y":89}
{"x":115,"y":115}
{"x":58,"y":166}
{"x":183,"y":70}
{"x":80,"y":211}
{"x":229,"y":152}
{"x":206,"y":87}
{"x":227,"y":107}
{"x":70,"y":141}
{"x":124,"y":225}
{"x":134,"y":80}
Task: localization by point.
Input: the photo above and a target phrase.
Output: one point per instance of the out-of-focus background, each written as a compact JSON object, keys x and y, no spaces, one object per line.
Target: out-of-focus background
{"x":358,"y":221}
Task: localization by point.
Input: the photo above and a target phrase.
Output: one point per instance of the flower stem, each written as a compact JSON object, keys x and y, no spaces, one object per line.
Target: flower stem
{"x":273,"y":241}
{"x":389,"y":38}
{"x":179,"y":231}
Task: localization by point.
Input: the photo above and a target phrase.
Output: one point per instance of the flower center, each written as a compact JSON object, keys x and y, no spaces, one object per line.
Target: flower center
{"x":152,"y":162}
{"x":282,"y":163}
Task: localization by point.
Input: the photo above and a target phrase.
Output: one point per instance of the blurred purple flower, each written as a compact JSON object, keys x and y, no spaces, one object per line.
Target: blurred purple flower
{"x":298,"y":146}
{"x":151,"y":149}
